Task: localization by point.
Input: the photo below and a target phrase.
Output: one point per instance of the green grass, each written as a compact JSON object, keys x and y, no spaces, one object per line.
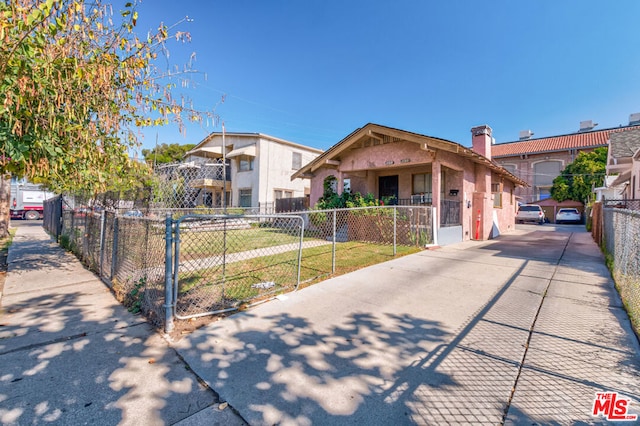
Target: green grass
{"x":281,"y":268}
{"x":211,"y":243}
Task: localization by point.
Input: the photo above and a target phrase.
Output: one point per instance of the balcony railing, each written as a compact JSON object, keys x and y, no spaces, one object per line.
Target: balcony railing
{"x":416,"y":200}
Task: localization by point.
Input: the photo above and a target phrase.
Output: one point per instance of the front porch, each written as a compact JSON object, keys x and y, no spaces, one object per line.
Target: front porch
{"x":413,"y":186}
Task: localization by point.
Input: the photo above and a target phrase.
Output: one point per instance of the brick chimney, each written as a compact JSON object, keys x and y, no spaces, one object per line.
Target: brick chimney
{"x":482,"y":140}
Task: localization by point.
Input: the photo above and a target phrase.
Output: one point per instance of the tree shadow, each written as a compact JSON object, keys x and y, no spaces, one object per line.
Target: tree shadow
{"x":374,"y":366}
{"x":72,"y":358}
{"x":371,"y":367}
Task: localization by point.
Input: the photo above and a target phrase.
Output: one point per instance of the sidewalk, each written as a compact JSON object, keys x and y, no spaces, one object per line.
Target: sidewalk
{"x":71,"y":354}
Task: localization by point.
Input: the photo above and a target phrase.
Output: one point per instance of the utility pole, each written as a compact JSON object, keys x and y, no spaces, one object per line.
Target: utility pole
{"x":224,"y":172}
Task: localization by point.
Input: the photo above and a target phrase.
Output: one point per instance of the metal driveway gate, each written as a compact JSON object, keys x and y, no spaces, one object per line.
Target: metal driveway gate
{"x":223,"y":263}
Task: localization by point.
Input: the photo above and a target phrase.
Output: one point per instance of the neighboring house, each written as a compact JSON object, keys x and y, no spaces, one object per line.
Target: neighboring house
{"x":260,"y":168}
{"x":540,"y":161}
{"x":623,"y":160}
{"x":411,"y":168}
{"x":610,"y":190}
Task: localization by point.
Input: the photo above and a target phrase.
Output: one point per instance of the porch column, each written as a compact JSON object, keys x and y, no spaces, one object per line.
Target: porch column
{"x":436,"y":184}
{"x":372,"y":182}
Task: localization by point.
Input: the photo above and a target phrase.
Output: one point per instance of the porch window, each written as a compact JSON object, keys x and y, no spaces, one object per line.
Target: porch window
{"x":496,"y":190}
{"x":422,"y":183}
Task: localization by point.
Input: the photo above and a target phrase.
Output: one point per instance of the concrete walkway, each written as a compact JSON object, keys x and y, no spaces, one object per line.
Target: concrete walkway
{"x":520,"y":330}
{"x":70,"y":354}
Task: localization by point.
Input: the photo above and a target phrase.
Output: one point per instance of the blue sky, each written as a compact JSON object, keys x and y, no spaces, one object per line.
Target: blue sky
{"x":313,"y":71}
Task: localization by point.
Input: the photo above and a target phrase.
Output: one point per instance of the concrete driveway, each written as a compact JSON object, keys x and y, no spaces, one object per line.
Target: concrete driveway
{"x":522,"y":329}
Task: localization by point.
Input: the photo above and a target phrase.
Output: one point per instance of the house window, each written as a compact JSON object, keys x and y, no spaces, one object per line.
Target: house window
{"x":496,"y":190}
{"x":245,"y":197}
{"x":346,"y":185}
{"x":282,"y":193}
{"x":544,"y":193}
{"x":511,"y":168}
{"x":545,"y":172}
{"x":422,"y":183}
{"x":296,"y":162}
{"x":245,"y":163}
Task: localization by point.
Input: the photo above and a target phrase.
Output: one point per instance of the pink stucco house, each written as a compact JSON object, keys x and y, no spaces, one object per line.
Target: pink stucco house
{"x":474,"y":196}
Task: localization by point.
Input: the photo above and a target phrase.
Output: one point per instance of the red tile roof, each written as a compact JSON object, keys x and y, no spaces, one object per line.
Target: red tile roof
{"x":592,"y":139}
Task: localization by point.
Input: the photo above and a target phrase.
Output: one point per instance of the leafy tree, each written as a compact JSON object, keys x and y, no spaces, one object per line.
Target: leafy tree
{"x":577,"y":180}
{"x":166,"y":153}
{"x":75,"y":83}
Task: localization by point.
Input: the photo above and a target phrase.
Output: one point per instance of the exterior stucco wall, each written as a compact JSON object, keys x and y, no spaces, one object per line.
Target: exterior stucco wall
{"x":525,"y":169}
{"x":634,"y":182}
{"x":378,"y":157}
{"x":506,"y":213}
{"x":275,"y":167}
{"x":363,"y":166}
{"x":317,"y":184}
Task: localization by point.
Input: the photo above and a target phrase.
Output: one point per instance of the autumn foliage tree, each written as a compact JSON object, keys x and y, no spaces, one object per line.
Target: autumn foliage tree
{"x":76,"y":82}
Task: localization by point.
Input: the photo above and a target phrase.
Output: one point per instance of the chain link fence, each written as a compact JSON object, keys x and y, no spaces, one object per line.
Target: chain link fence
{"x":623,"y":204}
{"x":621,"y":242}
{"x":191,"y":262}
{"x":224,"y":262}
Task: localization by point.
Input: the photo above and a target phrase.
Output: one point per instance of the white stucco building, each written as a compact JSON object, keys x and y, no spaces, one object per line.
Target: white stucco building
{"x":260,"y":168}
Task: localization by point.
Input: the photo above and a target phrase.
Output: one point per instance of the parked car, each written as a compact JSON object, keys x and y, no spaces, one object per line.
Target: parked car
{"x":568,"y":215}
{"x":530,"y":213}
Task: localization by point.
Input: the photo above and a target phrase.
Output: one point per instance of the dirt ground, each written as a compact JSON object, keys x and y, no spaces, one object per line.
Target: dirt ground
{"x":185,"y":327}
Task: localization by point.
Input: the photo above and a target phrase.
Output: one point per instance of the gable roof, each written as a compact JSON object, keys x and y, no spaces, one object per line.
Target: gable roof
{"x":625,"y":144}
{"x":390,"y":134}
{"x":580,"y":140}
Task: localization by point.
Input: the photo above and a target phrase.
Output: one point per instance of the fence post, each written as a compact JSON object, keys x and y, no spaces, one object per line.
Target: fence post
{"x":176,"y":263}
{"x":114,"y":249}
{"x":300,"y":251}
{"x":72,"y":235}
{"x":85,"y":237}
{"x":168,"y":263}
{"x":60,"y":220}
{"x":333,"y":248}
{"x":395,"y":229}
{"x":103,"y":220}
{"x":434,"y":225}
